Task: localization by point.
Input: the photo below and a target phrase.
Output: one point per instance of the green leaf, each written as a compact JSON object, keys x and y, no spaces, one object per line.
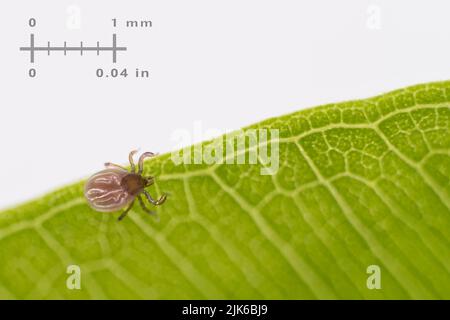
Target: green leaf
{"x":360,"y":183}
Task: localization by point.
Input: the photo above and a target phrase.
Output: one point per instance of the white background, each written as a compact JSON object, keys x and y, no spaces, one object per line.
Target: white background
{"x":220,"y":64}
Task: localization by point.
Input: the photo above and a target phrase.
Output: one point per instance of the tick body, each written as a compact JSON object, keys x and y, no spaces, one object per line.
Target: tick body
{"x":117,"y":188}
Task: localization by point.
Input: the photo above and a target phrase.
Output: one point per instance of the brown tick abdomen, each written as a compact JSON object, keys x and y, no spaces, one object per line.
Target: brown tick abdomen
{"x":104,"y":191}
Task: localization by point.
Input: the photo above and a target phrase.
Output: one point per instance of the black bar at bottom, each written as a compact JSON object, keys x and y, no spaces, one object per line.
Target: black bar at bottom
{"x":234,"y":309}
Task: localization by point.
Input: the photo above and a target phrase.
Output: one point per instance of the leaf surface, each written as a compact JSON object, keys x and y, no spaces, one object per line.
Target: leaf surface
{"x":360,"y":183}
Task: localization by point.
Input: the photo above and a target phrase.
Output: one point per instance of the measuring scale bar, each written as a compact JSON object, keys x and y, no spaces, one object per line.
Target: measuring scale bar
{"x":114,"y":48}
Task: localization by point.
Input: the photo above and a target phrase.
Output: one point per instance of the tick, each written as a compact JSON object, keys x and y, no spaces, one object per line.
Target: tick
{"x":115,"y":187}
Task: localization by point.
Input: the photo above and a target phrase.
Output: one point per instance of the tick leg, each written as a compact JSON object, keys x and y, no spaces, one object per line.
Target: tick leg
{"x":158,"y":202}
{"x":130,"y":158}
{"x":125,"y":212}
{"x":110,"y":164}
{"x":142,"y":158}
{"x":141,"y":202}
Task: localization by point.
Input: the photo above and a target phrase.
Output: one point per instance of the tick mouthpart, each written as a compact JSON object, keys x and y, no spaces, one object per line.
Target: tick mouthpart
{"x":149,"y":181}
